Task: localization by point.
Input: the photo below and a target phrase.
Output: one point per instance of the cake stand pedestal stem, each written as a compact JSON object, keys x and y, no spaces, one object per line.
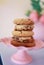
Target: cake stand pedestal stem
{"x":21,"y":57}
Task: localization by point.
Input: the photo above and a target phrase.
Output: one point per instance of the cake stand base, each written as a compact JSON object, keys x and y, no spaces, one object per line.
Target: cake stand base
{"x":21,"y":57}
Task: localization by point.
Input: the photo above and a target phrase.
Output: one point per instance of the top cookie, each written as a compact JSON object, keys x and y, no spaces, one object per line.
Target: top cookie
{"x":23,"y":21}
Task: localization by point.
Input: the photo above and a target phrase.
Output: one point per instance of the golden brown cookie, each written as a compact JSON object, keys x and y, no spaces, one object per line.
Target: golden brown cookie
{"x":24,"y":27}
{"x":22,"y":33}
{"x":23,"y":21}
{"x":16,"y":43}
{"x":23,"y":39}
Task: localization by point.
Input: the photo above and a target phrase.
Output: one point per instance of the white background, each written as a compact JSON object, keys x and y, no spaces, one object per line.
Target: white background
{"x":9,"y":10}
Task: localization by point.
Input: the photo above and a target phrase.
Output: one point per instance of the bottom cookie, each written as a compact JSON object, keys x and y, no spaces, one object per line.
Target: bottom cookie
{"x":16,"y":43}
{"x":23,"y":39}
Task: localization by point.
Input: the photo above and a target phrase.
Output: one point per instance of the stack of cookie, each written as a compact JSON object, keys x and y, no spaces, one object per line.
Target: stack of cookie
{"x":23,"y":34}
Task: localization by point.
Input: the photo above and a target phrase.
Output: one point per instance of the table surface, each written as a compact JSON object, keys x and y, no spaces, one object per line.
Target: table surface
{"x":7,"y":51}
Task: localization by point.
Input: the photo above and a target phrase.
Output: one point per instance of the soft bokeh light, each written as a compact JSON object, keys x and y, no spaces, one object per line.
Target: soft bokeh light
{"x":2,"y":2}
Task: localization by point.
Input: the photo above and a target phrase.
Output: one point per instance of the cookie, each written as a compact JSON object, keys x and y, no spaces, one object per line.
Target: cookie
{"x":16,"y":43}
{"x":23,"y":21}
{"x":24,"y":27}
{"x":23,"y":39}
{"x":22,"y":33}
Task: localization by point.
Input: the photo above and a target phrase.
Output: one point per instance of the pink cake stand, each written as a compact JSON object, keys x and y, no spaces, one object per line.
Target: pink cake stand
{"x":22,"y":57}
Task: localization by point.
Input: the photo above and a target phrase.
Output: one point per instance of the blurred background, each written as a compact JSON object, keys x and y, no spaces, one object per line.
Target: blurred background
{"x":9,"y":10}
